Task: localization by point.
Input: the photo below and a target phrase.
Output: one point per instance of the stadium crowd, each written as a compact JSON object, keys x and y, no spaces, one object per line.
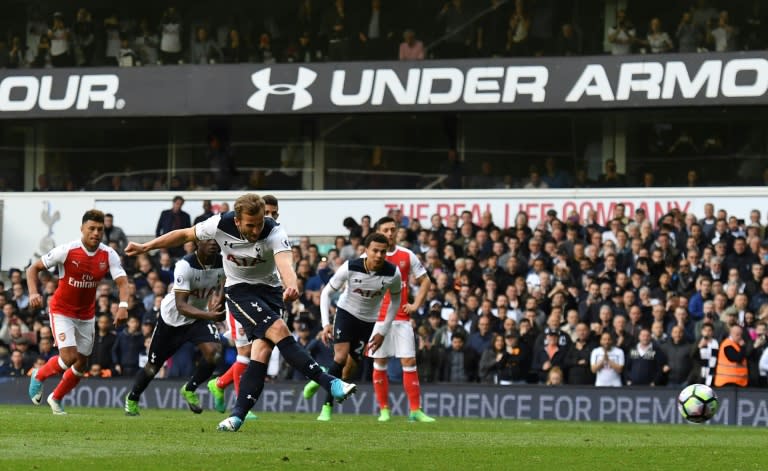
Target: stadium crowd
{"x":139,"y":33}
{"x":637,"y":302}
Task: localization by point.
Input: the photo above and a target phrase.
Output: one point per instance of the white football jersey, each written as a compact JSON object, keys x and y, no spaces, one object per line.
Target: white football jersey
{"x":244,"y":261}
{"x":365,"y":290}
{"x":199,"y":281}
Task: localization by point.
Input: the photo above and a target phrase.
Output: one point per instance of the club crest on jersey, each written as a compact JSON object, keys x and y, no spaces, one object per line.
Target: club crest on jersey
{"x":402,"y":263}
{"x":102,"y":265}
{"x":62,"y":336}
{"x":179,"y":280}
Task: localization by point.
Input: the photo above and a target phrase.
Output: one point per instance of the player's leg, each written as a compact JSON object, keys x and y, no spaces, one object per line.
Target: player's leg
{"x":163,"y":344}
{"x":381,"y":387}
{"x":380,"y":376}
{"x":84,"y":331}
{"x":404,"y":343}
{"x":205,"y":336}
{"x":340,"y":355}
{"x":63,"y":330}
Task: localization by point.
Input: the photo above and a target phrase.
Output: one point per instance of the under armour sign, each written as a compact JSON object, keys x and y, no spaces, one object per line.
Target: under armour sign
{"x":264,"y":88}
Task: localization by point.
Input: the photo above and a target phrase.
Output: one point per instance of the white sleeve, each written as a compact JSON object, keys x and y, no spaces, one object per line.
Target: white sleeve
{"x":334,"y":284}
{"x":764,"y":363}
{"x":417,"y":269}
{"x":57,"y":256}
{"x":620,"y":355}
{"x":394,"y":293}
{"x":278,"y":240}
{"x":182,"y":276}
{"x":206,"y":230}
{"x":115,"y":266}
{"x":594,"y":356}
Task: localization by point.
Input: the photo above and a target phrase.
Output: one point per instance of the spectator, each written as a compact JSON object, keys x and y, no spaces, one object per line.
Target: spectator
{"x":480,"y":340}
{"x":204,"y":50}
{"x":456,"y":33}
{"x":172,"y":219}
{"x":703,"y":294}
{"x":16,"y":366}
{"x":60,"y":37}
{"x":518,"y":31}
{"x":264,"y":52}
{"x":125,"y":352}
{"x":147,"y":42}
{"x":459,"y":364}
{"x":577,"y":359}
{"x":492,"y":360}
{"x":337,"y":26}
{"x":376,"y":33}
{"x":621,"y":36}
{"x":550,"y":356}
{"x":688,"y":34}
{"x":492,"y":30}
{"x":170,"y":37}
{"x":207,"y":212}
{"x":84,"y":38}
{"x":104,"y":341}
{"x":568,"y":43}
{"x":111,"y":39}
{"x":454,"y":171}
{"x":658,"y":41}
{"x":127,"y":57}
{"x":534,"y":179}
{"x":611,"y":178}
{"x":16,"y":54}
{"x":723,"y":37}
{"x":114,"y":234}
{"x":607,"y":362}
{"x":42,"y":58}
{"x":235,"y":51}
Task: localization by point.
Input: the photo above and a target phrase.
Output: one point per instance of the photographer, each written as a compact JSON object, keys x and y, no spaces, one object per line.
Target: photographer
{"x":622,"y":35}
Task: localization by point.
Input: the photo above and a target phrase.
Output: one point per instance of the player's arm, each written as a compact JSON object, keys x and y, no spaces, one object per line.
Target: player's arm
{"x":334,"y":285}
{"x":421,"y":294}
{"x":35,"y":300}
{"x":188,"y":310}
{"x":422,"y":277}
{"x":168,"y":240}
{"x":381,"y":329}
{"x":284,"y":264}
{"x":123,"y":294}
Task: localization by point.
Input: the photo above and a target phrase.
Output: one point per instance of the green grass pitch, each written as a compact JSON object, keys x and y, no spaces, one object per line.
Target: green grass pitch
{"x":104,"y":439}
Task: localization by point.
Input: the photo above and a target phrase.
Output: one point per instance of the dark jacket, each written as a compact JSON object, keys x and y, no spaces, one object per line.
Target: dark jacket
{"x":471,"y":360}
{"x":126,"y":350}
{"x":576,"y":364}
{"x":645,"y":369}
{"x":679,"y":361}
{"x":102,"y":350}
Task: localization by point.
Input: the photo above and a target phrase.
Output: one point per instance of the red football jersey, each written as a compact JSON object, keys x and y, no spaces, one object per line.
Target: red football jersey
{"x":80,"y":272}
{"x":408,"y":263}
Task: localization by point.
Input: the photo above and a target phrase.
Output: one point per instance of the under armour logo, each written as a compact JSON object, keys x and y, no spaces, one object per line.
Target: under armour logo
{"x":312,"y":366}
{"x":301,"y":97}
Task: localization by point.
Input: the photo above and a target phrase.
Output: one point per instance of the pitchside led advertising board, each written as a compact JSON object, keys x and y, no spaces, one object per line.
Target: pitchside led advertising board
{"x":643,"y":405}
{"x":32,"y":223}
{"x":462,"y":85}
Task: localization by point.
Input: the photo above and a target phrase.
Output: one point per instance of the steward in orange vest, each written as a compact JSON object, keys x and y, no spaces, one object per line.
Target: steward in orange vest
{"x":732,"y":360}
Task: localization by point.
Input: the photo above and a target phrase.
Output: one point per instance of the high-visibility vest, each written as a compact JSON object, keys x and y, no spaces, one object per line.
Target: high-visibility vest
{"x":730,"y":372}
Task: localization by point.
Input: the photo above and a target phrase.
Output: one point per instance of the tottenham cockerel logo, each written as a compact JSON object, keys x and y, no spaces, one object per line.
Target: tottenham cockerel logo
{"x":264,"y":88}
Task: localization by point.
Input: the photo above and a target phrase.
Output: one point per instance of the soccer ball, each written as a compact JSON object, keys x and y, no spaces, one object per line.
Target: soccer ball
{"x":697,"y":403}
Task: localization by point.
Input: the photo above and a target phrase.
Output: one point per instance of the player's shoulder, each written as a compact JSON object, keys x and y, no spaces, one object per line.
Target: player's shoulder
{"x":402,"y":253}
{"x":389,"y":269}
{"x":269,"y":226}
{"x":225,"y":222}
{"x":189,"y":260}
{"x":357,"y":265}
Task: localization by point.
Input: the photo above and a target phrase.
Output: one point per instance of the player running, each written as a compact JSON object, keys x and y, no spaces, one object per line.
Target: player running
{"x":367,"y":279}
{"x":82,"y":264}
{"x":217,"y":386}
{"x":256,"y":250}
{"x":198,"y":278}
{"x":401,"y":342}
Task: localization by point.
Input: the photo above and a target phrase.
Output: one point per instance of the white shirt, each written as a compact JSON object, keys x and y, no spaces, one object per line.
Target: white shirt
{"x":170,"y":38}
{"x":364,"y":291}
{"x":607,"y":376}
{"x":244,"y":261}
{"x":200,"y":282}
{"x":619,"y":48}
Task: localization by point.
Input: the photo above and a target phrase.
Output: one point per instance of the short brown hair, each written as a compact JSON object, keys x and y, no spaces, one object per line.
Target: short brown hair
{"x":93,"y":215}
{"x":375,"y":237}
{"x":250,"y":204}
